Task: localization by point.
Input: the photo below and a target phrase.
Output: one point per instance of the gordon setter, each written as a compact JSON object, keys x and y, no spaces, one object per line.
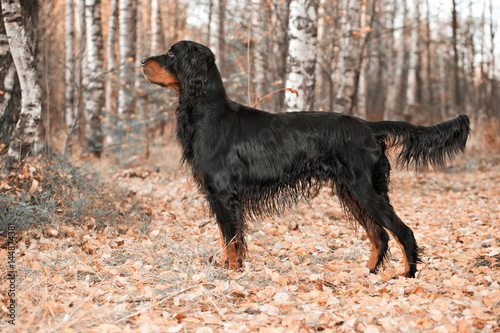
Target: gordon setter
{"x":249,"y":162}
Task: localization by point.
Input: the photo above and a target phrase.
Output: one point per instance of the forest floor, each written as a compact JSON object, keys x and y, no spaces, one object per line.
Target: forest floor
{"x":305,"y":270}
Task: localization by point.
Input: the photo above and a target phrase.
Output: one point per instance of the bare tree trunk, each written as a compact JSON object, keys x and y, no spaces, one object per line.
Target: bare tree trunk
{"x":280,"y":50}
{"x":10,"y":99}
{"x":111,"y":60}
{"x":217,"y":35}
{"x":141,"y":96}
{"x":345,"y":99}
{"x":411,"y":86}
{"x":430,"y":77}
{"x":210,"y":19}
{"x":302,"y":30}
{"x":377,"y":87}
{"x":340,"y":99}
{"x":442,"y":93}
{"x":260,"y":36}
{"x":127,"y":59}
{"x":80,"y":65}
{"x":470,"y":72}
{"x":322,"y":87}
{"x":155,"y":27}
{"x":457,"y":98}
{"x":69,"y":93}
{"x":94,"y":94}
{"x":360,"y":108}
{"x":492,"y":69}
{"x":481,"y":113}
{"x":397,"y":78}
{"x":7,"y":85}
{"x":24,"y":60}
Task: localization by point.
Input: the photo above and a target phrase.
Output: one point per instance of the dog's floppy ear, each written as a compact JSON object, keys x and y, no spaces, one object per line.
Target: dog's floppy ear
{"x":195,"y":72}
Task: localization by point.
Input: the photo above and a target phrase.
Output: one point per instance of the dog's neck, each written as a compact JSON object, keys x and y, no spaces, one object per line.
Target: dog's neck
{"x":213,"y":94}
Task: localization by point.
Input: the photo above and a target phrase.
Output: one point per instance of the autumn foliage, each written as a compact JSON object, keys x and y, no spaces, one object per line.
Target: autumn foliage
{"x":304,"y":272}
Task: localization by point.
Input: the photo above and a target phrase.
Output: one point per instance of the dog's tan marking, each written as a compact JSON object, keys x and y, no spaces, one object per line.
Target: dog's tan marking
{"x":223,"y":244}
{"x":405,"y":258}
{"x":229,"y":253}
{"x":372,"y":262}
{"x":156,"y":74}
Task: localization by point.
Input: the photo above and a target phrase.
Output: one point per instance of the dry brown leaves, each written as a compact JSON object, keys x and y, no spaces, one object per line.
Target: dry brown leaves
{"x":304,"y":271}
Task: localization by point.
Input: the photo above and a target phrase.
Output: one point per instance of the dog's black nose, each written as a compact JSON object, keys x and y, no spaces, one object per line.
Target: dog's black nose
{"x":143,"y":61}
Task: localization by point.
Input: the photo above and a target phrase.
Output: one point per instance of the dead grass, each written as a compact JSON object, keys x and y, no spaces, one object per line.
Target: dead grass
{"x":304,"y":272}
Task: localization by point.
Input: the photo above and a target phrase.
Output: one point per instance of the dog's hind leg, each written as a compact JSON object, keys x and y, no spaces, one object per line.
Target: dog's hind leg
{"x":365,"y":192}
{"x":378,"y":207}
{"x":376,"y":234}
{"x":379,"y":240}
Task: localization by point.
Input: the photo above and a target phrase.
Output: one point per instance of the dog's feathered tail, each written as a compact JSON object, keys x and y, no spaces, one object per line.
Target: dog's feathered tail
{"x":424,"y":146}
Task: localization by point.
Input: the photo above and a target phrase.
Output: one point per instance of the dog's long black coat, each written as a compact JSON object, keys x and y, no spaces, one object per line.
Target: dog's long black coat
{"x":250,"y":162}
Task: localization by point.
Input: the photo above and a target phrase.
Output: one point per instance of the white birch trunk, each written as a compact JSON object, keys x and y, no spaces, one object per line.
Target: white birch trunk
{"x":7,"y":86}
{"x":94,"y":94}
{"x":111,"y":62}
{"x":348,"y":58}
{"x":127,"y":56}
{"x":141,"y":95}
{"x":340,"y":101}
{"x":31,"y":104}
{"x":155,"y":27}
{"x":321,"y":85}
{"x":69,"y":93}
{"x":213,"y":25}
{"x":217,"y":38}
{"x":411,"y":87}
{"x":81,"y":61}
{"x":301,"y":60}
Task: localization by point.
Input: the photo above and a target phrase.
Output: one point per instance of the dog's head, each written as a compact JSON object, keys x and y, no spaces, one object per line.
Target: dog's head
{"x":185,"y":67}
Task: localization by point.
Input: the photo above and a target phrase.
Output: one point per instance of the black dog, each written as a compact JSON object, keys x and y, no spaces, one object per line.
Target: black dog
{"x":249,"y":162}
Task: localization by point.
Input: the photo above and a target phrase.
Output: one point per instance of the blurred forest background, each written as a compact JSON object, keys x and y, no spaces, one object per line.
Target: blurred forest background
{"x":417,"y":60}
{"x":129,"y":244}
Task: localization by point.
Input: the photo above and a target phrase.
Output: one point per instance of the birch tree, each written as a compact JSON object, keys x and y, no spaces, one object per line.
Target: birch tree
{"x":69,"y":92}
{"x":141,"y":95}
{"x":10,"y":99}
{"x":429,"y":73}
{"x":111,"y":60}
{"x":80,"y":63}
{"x":301,"y":60}
{"x":411,"y":85}
{"x":24,"y":60}
{"x":454,"y":40}
{"x":155,"y":27}
{"x":348,"y":58}
{"x":493,"y":81}
{"x":321,"y":85}
{"x":94,"y":92}
{"x":217,"y":40}
{"x":127,"y":13}
{"x":280,"y":18}
{"x":261,"y":52}
{"x":397,"y":68}
{"x":360,"y":107}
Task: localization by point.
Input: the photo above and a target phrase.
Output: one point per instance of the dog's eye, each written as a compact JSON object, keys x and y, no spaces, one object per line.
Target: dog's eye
{"x":170,"y":54}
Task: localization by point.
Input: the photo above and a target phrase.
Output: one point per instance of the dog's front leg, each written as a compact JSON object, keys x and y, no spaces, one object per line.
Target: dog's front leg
{"x":229,"y":217}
